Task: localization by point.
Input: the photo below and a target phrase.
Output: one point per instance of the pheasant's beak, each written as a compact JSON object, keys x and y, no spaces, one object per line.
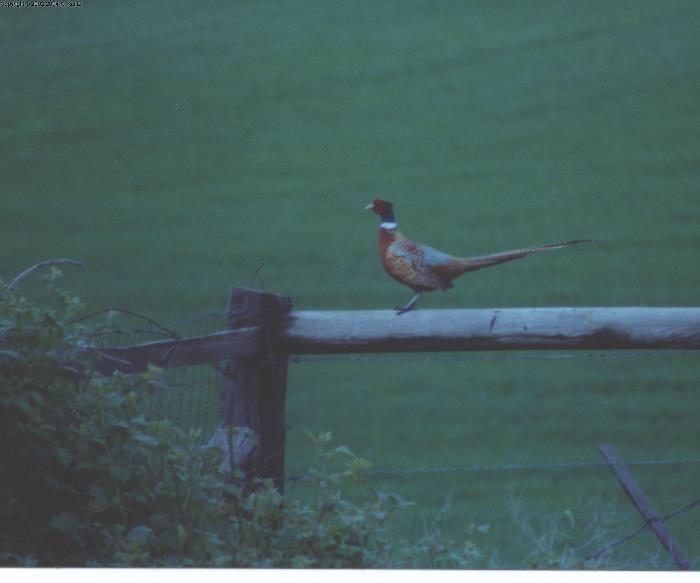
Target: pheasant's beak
{"x":370,"y":207}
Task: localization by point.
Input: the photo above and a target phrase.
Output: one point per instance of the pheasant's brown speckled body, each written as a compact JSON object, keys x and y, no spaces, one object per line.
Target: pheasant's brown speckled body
{"x":423,"y":268}
{"x":418,"y":266}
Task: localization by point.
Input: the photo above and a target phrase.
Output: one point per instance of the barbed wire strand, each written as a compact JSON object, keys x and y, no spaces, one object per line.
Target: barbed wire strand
{"x":522,"y":467}
{"x":507,"y":468}
{"x":645,"y":526}
{"x":457,"y":357}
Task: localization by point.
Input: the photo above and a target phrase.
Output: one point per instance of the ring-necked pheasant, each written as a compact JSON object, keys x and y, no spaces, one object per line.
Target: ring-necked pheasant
{"x":423,"y":268}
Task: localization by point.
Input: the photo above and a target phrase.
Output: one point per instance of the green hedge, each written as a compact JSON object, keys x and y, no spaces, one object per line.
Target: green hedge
{"x":86,"y":480}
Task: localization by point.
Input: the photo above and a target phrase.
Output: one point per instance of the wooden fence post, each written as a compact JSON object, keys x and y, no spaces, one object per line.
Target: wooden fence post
{"x":255,"y":388}
{"x":640,"y":502}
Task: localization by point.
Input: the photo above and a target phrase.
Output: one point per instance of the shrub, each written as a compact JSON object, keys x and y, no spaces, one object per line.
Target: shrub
{"x":87,"y":480}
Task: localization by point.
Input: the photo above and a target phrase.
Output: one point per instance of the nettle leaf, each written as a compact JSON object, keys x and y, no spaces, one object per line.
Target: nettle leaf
{"x":49,"y":332}
{"x":181,"y":534}
{"x":64,"y":456}
{"x":9,"y":355}
{"x":23,"y":404}
{"x":144,"y":438}
{"x":359,"y":464}
{"x":120,"y":472}
{"x":140,"y":535}
{"x":65,"y":522}
{"x":343,"y":450}
{"x":119,"y":424}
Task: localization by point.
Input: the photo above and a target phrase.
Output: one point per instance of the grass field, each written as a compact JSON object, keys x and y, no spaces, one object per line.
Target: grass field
{"x":174,"y":146}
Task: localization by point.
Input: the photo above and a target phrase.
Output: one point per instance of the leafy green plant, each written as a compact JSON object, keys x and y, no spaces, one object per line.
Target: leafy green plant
{"x":87,"y":480}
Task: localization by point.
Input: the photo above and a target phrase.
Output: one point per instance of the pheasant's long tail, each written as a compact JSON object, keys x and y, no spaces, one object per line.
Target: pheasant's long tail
{"x":474,"y":263}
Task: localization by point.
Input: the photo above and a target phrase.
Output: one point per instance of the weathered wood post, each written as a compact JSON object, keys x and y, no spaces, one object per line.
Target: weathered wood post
{"x":255,"y":388}
{"x":640,"y":502}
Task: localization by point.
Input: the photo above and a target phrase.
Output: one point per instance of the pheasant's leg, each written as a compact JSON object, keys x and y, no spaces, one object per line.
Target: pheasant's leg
{"x":409,"y":306}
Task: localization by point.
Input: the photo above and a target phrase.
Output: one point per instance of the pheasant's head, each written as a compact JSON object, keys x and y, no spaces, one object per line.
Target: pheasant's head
{"x":384,"y":209}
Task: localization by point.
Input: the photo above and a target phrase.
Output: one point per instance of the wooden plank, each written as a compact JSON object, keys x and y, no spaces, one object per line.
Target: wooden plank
{"x":640,"y":502}
{"x":364,"y":331}
{"x":183,"y":352}
{"x":324,"y":332}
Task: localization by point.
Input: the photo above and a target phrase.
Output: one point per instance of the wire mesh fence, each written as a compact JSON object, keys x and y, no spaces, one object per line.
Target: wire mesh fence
{"x":191,"y":397}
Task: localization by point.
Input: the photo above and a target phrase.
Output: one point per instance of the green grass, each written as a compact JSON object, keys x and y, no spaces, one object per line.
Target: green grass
{"x":175,"y":146}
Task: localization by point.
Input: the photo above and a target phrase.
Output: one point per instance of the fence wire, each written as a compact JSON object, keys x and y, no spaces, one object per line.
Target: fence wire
{"x":499,"y":356}
{"x":398,"y":472}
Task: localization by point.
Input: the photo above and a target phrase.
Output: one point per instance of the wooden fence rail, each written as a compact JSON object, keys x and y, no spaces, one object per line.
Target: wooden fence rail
{"x":264,"y":331}
{"x":323,"y":332}
{"x":371,"y":331}
{"x":174,"y":353}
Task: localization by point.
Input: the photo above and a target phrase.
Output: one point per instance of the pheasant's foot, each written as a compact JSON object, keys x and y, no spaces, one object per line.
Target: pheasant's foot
{"x":409,"y":306}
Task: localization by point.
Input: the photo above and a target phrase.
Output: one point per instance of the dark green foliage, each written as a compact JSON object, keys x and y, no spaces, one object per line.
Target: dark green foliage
{"x":87,"y":480}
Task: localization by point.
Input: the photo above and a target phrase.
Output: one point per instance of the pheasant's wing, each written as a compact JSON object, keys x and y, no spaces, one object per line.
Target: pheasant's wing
{"x":412,"y":263}
{"x":443,"y":268}
{"x":474,"y":263}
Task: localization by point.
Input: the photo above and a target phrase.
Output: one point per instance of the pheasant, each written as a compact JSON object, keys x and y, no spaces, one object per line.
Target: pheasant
{"x":425,"y":269}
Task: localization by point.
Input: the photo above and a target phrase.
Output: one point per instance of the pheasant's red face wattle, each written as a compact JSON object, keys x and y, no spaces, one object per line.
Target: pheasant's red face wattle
{"x":385,"y":210}
{"x":380,"y":206}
